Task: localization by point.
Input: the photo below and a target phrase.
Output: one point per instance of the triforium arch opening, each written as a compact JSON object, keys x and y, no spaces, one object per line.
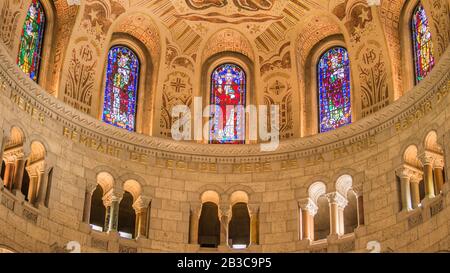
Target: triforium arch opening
{"x":133,"y":212}
{"x":208,"y":221}
{"x":410,"y":179}
{"x":100,"y":198}
{"x":13,"y":159}
{"x":353,"y":213}
{"x":433,"y":161}
{"x":25,"y":168}
{"x":33,"y":178}
{"x":316,"y":216}
{"x":239,"y":227}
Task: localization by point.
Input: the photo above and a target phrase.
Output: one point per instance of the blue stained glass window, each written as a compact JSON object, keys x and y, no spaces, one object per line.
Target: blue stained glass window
{"x":30,"y":48}
{"x":423,"y":46}
{"x":334,"y":89}
{"x":122,"y":78}
{"x":228,"y":95}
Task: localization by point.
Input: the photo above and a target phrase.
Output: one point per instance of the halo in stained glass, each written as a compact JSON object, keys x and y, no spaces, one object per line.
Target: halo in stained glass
{"x":423,"y":46}
{"x":122,"y":78}
{"x":334,"y":89}
{"x":228,"y":95}
{"x":30,"y":48}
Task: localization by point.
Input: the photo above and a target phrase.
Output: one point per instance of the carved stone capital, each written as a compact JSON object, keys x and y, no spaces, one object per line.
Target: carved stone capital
{"x":439,"y":162}
{"x":358,"y":190}
{"x":427,"y":158}
{"x":408,"y":172}
{"x":338,"y":199}
{"x":225,"y":211}
{"x":308,"y":205}
{"x":141,"y":203}
{"x":90,"y":187}
{"x":253,"y":209}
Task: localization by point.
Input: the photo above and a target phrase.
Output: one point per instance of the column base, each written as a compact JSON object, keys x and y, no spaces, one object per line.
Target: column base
{"x":192,"y":248}
{"x":85,"y":228}
{"x":223,"y":248}
{"x":19,"y":196}
{"x":303,"y":245}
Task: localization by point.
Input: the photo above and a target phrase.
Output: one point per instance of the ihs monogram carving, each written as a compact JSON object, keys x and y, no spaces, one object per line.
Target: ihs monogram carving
{"x":278,"y":92}
{"x":80,"y":79}
{"x":177,"y":90}
{"x":373,"y":78}
{"x":372,"y":67}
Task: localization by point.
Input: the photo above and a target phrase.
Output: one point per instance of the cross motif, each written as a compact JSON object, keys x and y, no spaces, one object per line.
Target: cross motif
{"x":178,"y":85}
{"x":277,"y":88}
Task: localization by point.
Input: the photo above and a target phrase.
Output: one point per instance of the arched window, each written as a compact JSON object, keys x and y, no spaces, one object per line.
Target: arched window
{"x":25,"y":189}
{"x":239,"y":233}
{"x":334,"y":89}
{"x":209,"y":225}
{"x":98,"y":210}
{"x":228,"y":96}
{"x":29,"y":56}
{"x":127,"y":216}
{"x":122,"y":78}
{"x":2,"y":173}
{"x":422,"y":44}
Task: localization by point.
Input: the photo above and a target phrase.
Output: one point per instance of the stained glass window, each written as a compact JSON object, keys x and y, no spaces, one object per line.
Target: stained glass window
{"x":228,"y":94}
{"x":334,"y":89}
{"x":122,"y":77}
{"x":423,"y":46}
{"x":29,"y":56}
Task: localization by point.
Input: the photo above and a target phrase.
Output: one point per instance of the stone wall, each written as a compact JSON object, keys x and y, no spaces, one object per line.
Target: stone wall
{"x":174,"y":175}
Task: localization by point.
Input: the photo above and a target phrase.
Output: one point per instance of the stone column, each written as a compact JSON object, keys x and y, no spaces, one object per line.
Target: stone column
{"x":415,"y":192}
{"x":2,"y":146}
{"x":194,"y":223}
{"x":308,"y":209}
{"x":225,"y":215}
{"x":42,"y":186}
{"x":112,"y":211}
{"x":141,"y":222}
{"x":358,"y":191}
{"x":9,"y":169}
{"x":439,"y":174}
{"x":114,"y":214}
{"x":19,"y":168}
{"x":337,"y":204}
{"x":90,"y":188}
{"x":405,"y":175}
{"x":254,"y":230}
{"x":32,"y":188}
{"x":140,"y":206}
{"x":427,"y":162}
